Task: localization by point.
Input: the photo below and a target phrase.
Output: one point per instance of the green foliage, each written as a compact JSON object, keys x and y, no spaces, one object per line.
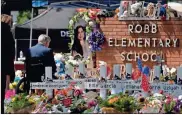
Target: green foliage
{"x":169,"y":107}
{"x":18,"y":102}
{"x":125,"y":103}
{"x":23,"y":16}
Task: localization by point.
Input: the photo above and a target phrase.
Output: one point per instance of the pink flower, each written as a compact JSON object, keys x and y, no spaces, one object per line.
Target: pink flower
{"x":168,"y":101}
{"x":91,"y":103}
{"x":78,"y":92}
{"x":175,"y":99}
{"x":9,"y":94}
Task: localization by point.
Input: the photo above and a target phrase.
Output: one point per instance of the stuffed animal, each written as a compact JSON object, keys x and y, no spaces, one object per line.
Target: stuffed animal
{"x":161,"y":11}
{"x":18,"y":75}
{"x":122,"y":11}
{"x":170,"y":12}
{"x":136,"y":8}
{"x":59,"y":59}
{"x":150,"y":9}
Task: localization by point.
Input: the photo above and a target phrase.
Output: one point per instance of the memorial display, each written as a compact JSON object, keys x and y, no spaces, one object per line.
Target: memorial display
{"x":124,"y":61}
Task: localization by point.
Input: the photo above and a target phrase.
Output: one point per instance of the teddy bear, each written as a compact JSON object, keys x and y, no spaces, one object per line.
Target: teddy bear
{"x":59,"y":59}
{"x":150,"y":9}
{"x":136,"y":8}
{"x":122,"y":11}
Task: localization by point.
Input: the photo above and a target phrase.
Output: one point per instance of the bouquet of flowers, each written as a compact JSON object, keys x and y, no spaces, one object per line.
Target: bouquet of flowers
{"x":21,"y":103}
{"x":96,"y":39}
{"x":119,"y":103}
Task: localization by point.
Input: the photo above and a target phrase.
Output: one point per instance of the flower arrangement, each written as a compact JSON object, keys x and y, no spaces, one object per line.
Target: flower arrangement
{"x":21,"y":103}
{"x":96,"y":39}
{"x":118,"y":104}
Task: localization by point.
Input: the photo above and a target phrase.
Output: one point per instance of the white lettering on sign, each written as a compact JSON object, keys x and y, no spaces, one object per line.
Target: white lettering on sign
{"x":133,"y":56}
{"x":140,"y":28}
{"x":64,"y":33}
{"x":143,"y":42}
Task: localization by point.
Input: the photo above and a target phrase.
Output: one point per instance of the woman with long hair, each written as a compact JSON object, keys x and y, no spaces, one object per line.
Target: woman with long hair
{"x":80,"y":45}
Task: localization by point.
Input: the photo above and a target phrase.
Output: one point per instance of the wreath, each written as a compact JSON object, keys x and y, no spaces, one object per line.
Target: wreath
{"x":80,"y":15}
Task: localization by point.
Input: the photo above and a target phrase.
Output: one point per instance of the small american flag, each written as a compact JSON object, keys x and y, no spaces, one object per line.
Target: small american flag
{"x":144,"y":72}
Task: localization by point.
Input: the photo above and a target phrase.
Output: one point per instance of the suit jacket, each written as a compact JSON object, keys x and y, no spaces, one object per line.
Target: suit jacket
{"x":7,"y":51}
{"x":37,"y":58}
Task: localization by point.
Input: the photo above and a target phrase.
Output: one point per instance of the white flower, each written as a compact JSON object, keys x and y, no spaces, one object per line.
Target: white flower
{"x":81,"y":13}
{"x":71,"y":57}
{"x":87,"y":19}
{"x":71,"y":22}
{"x":180,"y":97}
{"x":91,"y":23}
{"x":102,"y":63}
{"x":173,"y":70}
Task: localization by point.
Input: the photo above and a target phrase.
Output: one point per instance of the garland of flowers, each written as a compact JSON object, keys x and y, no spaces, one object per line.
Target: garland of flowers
{"x":74,"y":20}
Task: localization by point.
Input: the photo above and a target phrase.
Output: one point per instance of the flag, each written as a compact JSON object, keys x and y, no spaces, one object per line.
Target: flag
{"x":146,"y":71}
{"x":136,"y":74}
{"x":139,"y":63}
{"x":145,"y":83}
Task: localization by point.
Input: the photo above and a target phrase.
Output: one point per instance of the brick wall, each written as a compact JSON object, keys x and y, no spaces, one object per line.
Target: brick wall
{"x":119,"y":29}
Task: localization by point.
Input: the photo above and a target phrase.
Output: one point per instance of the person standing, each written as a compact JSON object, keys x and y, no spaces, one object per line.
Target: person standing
{"x":7,"y":56}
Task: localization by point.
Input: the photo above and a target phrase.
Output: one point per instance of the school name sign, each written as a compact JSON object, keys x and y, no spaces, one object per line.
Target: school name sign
{"x":142,"y":42}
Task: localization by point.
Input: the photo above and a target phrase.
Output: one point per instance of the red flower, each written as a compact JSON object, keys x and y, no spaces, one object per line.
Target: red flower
{"x":67,"y":102}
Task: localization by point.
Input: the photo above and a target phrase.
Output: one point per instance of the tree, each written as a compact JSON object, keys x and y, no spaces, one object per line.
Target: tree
{"x":23,"y":16}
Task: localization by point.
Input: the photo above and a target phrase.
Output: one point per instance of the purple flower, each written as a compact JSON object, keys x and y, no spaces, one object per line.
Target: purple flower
{"x":178,"y":106}
{"x":96,"y":39}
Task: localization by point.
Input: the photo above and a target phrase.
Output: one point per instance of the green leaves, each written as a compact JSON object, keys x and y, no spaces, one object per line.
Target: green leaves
{"x":23,"y":16}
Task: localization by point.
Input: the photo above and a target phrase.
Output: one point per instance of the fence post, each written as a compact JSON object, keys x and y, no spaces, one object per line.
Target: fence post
{"x":103,"y":74}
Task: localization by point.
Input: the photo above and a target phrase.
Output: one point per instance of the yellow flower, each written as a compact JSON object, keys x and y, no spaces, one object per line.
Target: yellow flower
{"x":10,"y":86}
{"x":31,"y":101}
{"x":13,"y":99}
{"x":14,"y":84}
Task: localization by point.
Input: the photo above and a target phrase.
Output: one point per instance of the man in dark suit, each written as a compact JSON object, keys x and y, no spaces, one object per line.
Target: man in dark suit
{"x":37,"y":58}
